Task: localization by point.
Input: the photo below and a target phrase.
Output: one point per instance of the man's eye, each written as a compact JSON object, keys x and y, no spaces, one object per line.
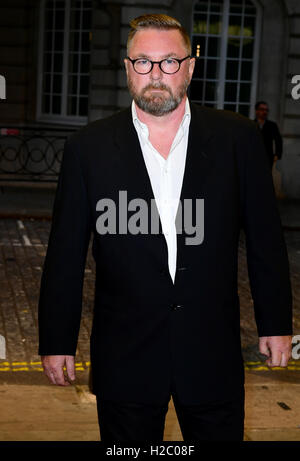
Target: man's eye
{"x":170,"y":61}
{"x":143,"y":62}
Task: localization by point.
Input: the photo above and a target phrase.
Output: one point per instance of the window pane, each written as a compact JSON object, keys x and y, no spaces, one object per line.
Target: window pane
{"x":214,"y":46}
{"x":58,"y":62}
{"x":73,"y":84}
{"x":84,"y":85}
{"x":246,"y":73}
{"x":46,"y":104}
{"x":210,"y":91}
{"x":200,"y":24}
{"x":215,"y":25}
{"x":72,"y":106}
{"x":74,"y":41}
{"x":216,"y":7}
{"x":233,"y":49}
{"x":86,"y":19}
{"x":48,"y":41}
{"x":231,"y":92}
{"x":56,"y":103}
{"x":245,"y":92}
{"x":75,"y":20}
{"x":83,"y":106}
{"x":232,"y":70}
{"x":199,"y":68}
{"x":49,"y":20}
{"x":59,"y":20}
{"x":244,"y":110}
{"x":73,"y":63}
{"x":248,"y":45}
{"x":47,"y":83}
{"x":236,"y":6}
{"x":59,"y":41}
{"x":201,"y":6}
{"x":85,"y":41}
{"x":249,"y":27}
{"x":235,"y":23}
{"x":85,"y":63}
{"x":57,"y":83}
{"x":212,"y":69}
{"x":47,"y":62}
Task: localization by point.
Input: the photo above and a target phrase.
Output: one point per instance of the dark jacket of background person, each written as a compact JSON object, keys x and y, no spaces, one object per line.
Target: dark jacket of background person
{"x":146,"y":331}
{"x":271,"y":134}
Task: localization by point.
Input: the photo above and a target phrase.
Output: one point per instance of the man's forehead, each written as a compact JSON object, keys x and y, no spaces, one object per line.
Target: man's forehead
{"x":152,"y":42}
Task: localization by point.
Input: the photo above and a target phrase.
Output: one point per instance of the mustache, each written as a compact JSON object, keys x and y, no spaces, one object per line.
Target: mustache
{"x":156,"y":86}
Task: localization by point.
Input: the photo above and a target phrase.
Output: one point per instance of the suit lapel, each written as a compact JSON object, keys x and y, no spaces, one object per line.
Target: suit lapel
{"x":198,"y":159}
{"x":131,"y":158}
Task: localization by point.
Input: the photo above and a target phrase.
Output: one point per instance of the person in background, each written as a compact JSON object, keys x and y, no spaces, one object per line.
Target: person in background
{"x":269,"y":131}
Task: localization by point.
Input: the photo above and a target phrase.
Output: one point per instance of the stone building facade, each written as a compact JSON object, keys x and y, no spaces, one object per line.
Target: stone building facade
{"x":63,"y":61}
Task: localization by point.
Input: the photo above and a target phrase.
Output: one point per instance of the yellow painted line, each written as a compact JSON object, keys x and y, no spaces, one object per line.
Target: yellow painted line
{"x":82,"y":366}
{"x":20,"y":369}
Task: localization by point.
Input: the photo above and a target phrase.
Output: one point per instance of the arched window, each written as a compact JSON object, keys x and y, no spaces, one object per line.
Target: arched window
{"x":226,"y":39}
{"x":64,"y":61}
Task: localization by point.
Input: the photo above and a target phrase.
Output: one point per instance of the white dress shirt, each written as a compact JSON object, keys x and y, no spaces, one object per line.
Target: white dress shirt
{"x":166,"y":176}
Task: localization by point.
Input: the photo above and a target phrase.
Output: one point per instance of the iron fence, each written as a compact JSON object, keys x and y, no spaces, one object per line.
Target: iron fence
{"x":31,"y":154}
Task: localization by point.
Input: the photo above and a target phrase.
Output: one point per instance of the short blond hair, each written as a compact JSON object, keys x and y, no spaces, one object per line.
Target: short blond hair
{"x":160,"y":22}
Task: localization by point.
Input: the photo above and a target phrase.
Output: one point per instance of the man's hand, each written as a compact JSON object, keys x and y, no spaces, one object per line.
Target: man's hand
{"x":53,"y":368}
{"x":278,"y":349}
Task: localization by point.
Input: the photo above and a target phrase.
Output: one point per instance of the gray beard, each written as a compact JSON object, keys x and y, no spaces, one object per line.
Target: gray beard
{"x":158,"y":105}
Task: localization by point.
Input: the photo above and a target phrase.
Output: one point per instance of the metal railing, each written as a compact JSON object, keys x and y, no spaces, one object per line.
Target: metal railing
{"x":31,"y":154}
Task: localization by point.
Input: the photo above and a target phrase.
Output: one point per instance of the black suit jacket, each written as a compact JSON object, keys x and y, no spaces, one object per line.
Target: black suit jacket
{"x":139,"y":342}
{"x":271,"y":135}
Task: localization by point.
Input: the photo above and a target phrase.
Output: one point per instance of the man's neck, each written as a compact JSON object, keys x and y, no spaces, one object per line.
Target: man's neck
{"x":169,"y":121}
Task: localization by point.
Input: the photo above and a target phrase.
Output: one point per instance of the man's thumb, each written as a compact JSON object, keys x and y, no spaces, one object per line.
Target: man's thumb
{"x":263,"y":348}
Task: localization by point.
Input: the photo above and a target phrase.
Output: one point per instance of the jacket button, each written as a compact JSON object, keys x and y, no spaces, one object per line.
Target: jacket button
{"x":176,"y":307}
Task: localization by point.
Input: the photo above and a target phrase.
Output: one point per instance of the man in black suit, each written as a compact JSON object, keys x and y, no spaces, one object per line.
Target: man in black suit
{"x":269,"y":131}
{"x":166,"y":312}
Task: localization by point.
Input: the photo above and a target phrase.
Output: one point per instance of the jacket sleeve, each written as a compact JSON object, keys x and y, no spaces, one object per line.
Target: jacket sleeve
{"x":267,"y":258}
{"x":60,"y":300}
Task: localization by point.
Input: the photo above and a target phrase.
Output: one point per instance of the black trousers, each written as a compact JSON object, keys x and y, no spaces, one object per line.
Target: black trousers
{"x":218,"y":421}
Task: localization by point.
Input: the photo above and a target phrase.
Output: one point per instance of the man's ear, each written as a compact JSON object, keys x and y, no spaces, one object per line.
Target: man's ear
{"x":192,"y":67}
{"x":126,"y":65}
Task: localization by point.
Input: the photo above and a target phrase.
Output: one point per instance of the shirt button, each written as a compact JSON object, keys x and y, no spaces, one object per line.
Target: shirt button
{"x":176,"y":307}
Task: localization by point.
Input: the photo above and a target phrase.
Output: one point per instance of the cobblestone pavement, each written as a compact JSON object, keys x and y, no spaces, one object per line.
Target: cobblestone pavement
{"x":23,"y":246}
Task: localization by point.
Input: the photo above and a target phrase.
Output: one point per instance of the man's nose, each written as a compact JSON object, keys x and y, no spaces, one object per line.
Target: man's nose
{"x":156,"y":72}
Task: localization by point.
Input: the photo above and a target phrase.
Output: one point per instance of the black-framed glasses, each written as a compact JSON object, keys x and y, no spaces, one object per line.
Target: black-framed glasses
{"x":168,"y":66}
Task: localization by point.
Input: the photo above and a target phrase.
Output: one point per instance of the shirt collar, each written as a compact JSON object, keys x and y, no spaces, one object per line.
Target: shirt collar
{"x":143,"y":127}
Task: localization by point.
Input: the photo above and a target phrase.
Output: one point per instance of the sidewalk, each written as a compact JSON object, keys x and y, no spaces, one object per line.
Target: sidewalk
{"x":50,"y":413}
